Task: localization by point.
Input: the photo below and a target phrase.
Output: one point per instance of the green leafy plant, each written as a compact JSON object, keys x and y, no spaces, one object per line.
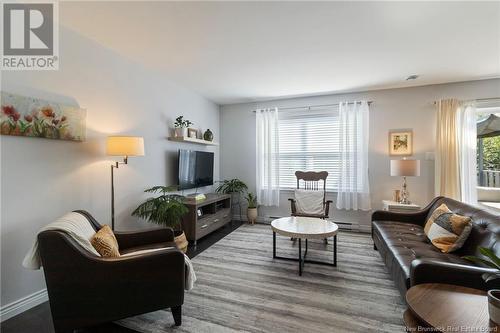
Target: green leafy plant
{"x":491,"y":260}
{"x":235,"y":188}
{"x":181,"y":123}
{"x":251,"y":200}
{"x":165,"y":209}
{"x":232,"y":186}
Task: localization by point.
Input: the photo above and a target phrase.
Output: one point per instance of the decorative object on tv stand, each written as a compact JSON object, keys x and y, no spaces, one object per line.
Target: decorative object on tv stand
{"x":235,"y":188}
{"x":192,"y":133}
{"x":405,"y":168}
{"x":34,"y":117}
{"x":181,"y":126}
{"x":166,"y":209}
{"x":208,"y":135}
{"x":125,"y":146}
{"x":401,"y":143}
{"x":252,"y":207}
{"x":493,"y":261}
{"x":396,"y":196}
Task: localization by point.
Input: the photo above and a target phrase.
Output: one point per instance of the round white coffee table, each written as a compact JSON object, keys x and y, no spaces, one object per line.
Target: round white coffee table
{"x":305,"y":228}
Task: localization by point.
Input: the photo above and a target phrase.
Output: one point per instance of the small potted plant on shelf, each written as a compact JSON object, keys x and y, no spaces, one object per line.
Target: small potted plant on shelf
{"x":252,"y":207}
{"x":491,"y":260}
{"x":235,"y":188}
{"x":166,"y":209}
{"x":181,"y":126}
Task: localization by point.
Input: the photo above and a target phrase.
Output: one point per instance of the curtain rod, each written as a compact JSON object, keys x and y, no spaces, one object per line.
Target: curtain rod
{"x":314,"y":106}
{"x":490,"y":99}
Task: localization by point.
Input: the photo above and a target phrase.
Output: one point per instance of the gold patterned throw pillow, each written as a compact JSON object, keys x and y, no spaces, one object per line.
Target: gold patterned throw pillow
{"x":104,"y":241}
{"x":447,"y":231}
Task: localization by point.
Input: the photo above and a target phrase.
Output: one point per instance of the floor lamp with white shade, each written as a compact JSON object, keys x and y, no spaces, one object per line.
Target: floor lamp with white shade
{"x":125,"y":146}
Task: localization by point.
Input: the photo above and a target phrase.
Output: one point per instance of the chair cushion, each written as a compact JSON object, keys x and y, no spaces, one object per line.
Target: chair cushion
{"x":446,"y":230}
{"x":104,"y":241}
{"x":309,"y":202}
{"x":147,"y":247}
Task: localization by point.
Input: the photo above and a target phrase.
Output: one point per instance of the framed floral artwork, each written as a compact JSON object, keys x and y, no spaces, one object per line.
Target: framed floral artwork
{"x":34,"y":117}
{"x":401,"y":143}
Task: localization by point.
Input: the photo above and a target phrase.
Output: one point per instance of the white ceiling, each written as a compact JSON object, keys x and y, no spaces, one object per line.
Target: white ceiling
{"x":244,"y":51}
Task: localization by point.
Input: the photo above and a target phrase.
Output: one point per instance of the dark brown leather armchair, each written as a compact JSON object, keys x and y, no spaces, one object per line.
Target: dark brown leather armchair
{"x":86,"y":290}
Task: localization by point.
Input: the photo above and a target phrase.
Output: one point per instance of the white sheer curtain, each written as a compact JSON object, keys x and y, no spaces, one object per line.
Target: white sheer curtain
{"x":354,"y":187}
{"x":467,"y":138}
{"x":447,"y":173}
{"x":267,"y":153}
{"x":456,"y":165}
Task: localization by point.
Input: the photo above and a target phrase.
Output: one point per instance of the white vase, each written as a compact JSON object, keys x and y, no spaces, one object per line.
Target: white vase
{"x":252,"y":215}
{"x":181,"y":132}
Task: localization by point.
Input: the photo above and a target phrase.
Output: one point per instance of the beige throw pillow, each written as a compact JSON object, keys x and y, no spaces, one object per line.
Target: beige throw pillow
{"x":447,"y":231}
{"x":104,"y":241}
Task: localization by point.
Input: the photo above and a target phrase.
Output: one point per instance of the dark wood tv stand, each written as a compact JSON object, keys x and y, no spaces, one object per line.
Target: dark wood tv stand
{"x":216,"y":212}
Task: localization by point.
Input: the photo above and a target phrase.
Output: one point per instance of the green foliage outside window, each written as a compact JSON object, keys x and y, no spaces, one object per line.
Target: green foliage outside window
{"x":491,"y":153}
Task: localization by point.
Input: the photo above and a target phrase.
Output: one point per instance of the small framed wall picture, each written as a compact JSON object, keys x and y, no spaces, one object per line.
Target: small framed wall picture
{"x":192,"y":133}
{"x":401,"y":143}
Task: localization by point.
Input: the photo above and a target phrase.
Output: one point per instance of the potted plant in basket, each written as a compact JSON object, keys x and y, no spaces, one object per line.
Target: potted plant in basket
{"x":165,"y":209}
{"x":491,"y":260}
{"x":234,"y":187}
{"x":181,"y":126}
{"x":252,"y":207}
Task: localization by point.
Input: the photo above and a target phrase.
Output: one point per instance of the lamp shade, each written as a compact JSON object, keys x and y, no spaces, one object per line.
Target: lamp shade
{"x":405,"y":168}
{"x":125,"y":146}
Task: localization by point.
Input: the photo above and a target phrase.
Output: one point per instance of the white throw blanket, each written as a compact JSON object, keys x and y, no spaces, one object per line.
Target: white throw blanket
{"x":309,"y":202}
{"x":75,"y":225}
{"x":79,"y":228}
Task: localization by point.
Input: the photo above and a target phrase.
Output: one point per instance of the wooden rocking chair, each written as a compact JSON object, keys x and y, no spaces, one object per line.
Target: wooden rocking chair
{"x":311,"y":180}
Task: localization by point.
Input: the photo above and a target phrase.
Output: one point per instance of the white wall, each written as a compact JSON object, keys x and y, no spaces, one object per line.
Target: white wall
{"x":405,"y":108}
{"x":42,"y":179}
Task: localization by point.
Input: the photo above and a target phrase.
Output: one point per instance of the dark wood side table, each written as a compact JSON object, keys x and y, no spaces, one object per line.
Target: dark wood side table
{"x":447,"y":308}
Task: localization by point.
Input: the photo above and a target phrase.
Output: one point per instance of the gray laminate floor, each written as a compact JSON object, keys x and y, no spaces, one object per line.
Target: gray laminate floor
{"x":240,"y":288}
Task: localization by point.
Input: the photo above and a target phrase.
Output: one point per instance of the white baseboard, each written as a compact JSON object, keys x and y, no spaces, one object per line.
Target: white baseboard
{"x":12,"y":309}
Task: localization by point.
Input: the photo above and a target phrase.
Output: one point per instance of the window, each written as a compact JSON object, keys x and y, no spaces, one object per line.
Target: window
{"x":309,"y":141}
{"x":488,"y":146}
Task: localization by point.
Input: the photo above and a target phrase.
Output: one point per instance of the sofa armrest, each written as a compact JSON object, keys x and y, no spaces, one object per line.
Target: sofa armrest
{"x":167,"y":264}
{"x":429,"y":271}
{"x":418,"y":217}
{"x":130,"y":239}
{"x":413,"y":218}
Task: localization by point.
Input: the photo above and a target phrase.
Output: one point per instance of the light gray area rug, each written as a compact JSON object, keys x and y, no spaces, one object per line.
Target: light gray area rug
{"x":240,"y":288}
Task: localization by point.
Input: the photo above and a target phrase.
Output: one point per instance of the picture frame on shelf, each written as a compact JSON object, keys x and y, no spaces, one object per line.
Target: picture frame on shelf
{"x":192,"y":133}
{"x":400,"y":142}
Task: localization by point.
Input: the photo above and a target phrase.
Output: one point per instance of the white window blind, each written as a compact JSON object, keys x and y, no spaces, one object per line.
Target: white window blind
{"x":309,"y":141}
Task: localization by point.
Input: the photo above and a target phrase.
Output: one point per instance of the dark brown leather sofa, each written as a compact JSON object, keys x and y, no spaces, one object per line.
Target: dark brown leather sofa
{"x":86,"y":290}
{"x":411,"y":259}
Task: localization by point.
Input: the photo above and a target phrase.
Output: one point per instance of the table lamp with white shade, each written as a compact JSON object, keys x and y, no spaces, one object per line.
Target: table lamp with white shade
{"x":405,"y":168}
{"x":125,"y":146}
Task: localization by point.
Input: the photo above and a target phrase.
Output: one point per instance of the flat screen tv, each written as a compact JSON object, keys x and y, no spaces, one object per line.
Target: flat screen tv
{"x":196,"y":169}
